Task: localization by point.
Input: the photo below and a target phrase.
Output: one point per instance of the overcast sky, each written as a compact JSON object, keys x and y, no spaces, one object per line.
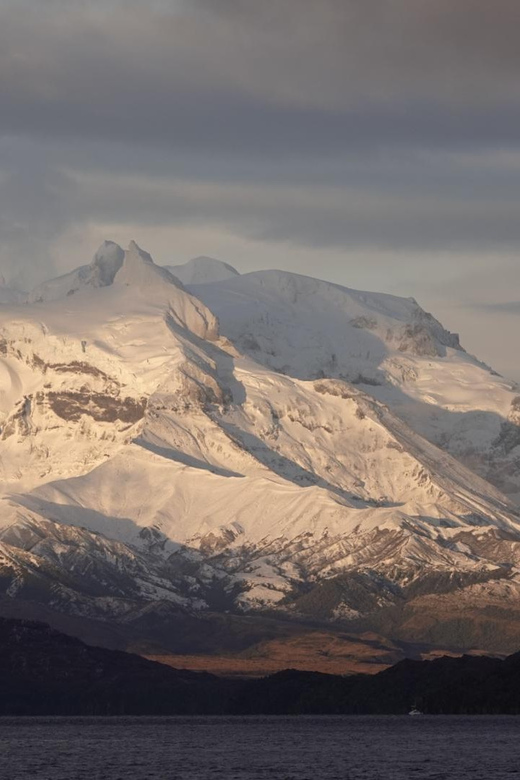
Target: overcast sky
{"x":375,"y":143}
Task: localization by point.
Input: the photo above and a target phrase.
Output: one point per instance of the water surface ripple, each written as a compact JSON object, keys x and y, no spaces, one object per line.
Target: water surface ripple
{"x":260,"y":748}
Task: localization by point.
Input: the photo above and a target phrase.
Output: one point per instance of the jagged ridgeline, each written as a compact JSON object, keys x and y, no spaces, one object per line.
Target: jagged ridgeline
{"x":185,"y":448}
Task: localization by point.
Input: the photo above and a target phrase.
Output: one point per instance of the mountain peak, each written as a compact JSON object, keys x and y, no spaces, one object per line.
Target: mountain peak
{"x":138,"y":268}
{"x":203,"y":270}
{"x":135,"y":249}
{"x":111,"y":264}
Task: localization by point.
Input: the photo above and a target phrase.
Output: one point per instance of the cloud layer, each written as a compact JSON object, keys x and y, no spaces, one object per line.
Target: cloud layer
{"x":387,"y":130}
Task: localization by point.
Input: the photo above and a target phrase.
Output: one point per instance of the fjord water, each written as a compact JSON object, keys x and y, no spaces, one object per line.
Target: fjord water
{"x":260,"y":748}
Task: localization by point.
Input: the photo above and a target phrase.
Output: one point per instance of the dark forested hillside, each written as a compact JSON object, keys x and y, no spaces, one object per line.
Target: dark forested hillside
{"x":45,"y":672}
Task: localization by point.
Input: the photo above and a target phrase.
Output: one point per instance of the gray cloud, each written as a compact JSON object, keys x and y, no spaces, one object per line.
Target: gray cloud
{"x":284,"y":77}
{"x":398,"y":216}
{"x":388,"y":48}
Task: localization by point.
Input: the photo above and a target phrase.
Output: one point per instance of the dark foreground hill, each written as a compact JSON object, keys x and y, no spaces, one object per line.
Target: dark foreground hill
{"x":44,"y":672}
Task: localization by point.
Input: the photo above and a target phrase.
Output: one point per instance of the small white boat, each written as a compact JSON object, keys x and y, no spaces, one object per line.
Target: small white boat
{"x":414,"y":711}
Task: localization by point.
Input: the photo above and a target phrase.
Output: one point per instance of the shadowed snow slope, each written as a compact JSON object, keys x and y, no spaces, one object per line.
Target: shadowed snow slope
{"x":285,"y":462}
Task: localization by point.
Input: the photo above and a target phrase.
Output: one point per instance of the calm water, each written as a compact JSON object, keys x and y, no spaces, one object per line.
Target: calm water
{"x":349,"y":748}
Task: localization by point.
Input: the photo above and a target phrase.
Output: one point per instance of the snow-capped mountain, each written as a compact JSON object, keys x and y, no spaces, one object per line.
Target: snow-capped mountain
{"x":252,"y":443}
{"x":202,"y":270}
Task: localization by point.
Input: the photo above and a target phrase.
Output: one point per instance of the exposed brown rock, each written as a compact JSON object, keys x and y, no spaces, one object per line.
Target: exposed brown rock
{"x":70,"y":405}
